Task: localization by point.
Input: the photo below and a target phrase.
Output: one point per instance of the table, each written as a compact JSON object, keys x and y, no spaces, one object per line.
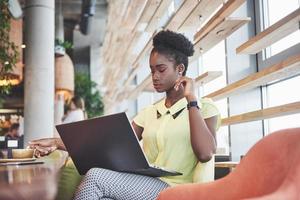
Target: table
{"x":227,"y":164}
{"x":37,"y":181}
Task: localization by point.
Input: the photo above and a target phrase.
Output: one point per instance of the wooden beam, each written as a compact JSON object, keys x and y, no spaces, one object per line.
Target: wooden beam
{"x":219,"y":33}
{"x":281,"y":70}
{"x":207,"y":77}
{"x":181,"y":14}
{"x":226,"y":164}
{"x":131,"y":76}
{"x":136,"y":62}
{"x":133,"y":41}
{"x":114,"y":56}
{"x":133,"y":12}
{"x":122,"y":61}
{"x":148,"y":12}
{"x":277,"y":111}
{"x":145,"y":50}
{"x":149,"y":9}
{"x":158,"y":14}
{"x":146,"y":82}
{"x":277,"y":31}
{"x":124,"y":93}
{"x":143,"y":19}
{"x":228,"y":8}
{"x":200,"y":13}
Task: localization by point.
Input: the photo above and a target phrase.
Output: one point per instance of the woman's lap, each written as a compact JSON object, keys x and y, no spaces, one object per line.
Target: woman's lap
{"x":106,"y":184}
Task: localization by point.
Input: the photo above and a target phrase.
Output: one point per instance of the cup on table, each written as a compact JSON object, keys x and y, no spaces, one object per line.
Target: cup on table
{"x":22,"y":153}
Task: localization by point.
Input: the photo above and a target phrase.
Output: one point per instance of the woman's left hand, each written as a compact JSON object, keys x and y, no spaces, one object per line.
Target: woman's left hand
{"x":188,"y":85}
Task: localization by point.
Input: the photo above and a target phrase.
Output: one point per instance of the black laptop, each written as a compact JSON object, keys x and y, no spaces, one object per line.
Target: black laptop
{"x":107,"y":142}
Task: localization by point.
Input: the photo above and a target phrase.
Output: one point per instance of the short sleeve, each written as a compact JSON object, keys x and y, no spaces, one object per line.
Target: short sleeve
{"x":209,"y":109}
{"x":140,"y":118}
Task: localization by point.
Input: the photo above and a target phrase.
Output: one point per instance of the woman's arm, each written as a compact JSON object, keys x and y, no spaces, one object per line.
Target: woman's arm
{"x":203,"y":134}
{"x":202,"y":131}
{"x":47,"y":145}
{"x":59,"y":144}
{"x":138,"y":130}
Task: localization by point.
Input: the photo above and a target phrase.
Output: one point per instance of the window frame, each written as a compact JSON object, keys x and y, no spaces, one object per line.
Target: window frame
{"x":261,"y":21}
{"x":200,"y":91}
{"x":263,"y":58}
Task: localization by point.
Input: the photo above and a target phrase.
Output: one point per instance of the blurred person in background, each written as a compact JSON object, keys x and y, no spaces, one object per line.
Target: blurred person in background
{"x":14,"y":134}
{"x":76,"y":111}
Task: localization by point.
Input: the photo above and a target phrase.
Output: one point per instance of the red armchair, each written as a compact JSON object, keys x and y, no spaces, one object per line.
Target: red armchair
{"x":270,"y":170}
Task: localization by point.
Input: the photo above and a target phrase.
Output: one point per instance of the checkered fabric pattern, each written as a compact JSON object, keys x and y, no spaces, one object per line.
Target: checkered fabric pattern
{"x":105,"y":184}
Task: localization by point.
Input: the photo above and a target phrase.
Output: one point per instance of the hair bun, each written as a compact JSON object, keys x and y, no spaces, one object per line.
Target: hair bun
{"x":172,"y":40}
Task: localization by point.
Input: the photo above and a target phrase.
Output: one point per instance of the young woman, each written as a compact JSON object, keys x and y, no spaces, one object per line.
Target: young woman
{"x":177,"y":132}
{"x":76,"y":111}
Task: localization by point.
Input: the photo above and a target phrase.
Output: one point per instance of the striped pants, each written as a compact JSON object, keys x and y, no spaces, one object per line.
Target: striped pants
{"x":107,"y":185}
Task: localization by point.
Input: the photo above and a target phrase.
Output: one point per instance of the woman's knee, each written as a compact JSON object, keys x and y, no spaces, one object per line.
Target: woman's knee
{"x":92,"y":174}
{"x":96,"y":173}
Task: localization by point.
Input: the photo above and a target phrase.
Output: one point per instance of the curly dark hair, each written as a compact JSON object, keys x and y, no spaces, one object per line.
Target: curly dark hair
{"x":175,"y":46}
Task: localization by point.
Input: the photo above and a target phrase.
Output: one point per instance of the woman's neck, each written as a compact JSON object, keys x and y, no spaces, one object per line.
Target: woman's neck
{"x":172,"y":96}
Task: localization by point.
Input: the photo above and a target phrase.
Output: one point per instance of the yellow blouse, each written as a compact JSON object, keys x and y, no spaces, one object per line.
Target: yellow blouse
{"x":166,"y":137}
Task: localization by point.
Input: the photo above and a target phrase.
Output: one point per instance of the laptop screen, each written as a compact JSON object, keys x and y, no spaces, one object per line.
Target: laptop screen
{"x":106,"y":142}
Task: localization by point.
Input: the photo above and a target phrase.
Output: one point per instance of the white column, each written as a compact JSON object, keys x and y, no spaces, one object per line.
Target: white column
{"x":39,"y":69}
{"x":59,"y":30}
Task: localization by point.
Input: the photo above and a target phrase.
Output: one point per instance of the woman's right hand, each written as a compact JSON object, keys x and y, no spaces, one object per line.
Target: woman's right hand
{"x":44,"y":146}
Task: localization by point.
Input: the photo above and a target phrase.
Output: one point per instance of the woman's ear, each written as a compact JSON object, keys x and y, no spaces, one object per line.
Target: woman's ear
{"x":181,"y":69}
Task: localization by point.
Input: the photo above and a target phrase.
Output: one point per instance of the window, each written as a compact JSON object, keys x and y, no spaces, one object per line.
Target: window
{"x":283,"y":93}
{"x":215,"y":60}
{"x":273,"y":12}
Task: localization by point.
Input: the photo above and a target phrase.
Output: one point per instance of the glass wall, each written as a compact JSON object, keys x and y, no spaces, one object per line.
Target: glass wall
{"x":275,"y":10}
{"x":285,"y":91}
{"x":215,"y":60}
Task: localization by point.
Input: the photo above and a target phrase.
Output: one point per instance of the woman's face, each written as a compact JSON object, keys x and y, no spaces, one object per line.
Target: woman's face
{"x":72,"y":106}
{"x":163,"y":72}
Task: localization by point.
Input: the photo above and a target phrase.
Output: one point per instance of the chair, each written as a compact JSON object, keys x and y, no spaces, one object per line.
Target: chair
{"x":68,"y":181}
{"x":270,"y":170}
{"x":69,"y":178}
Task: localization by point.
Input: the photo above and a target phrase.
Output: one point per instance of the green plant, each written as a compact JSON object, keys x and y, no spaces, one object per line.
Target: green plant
{"x":65,"y":44}
{"x":86,"y":89}
{"x":5,"y":90}
{"x":8,"y":50}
